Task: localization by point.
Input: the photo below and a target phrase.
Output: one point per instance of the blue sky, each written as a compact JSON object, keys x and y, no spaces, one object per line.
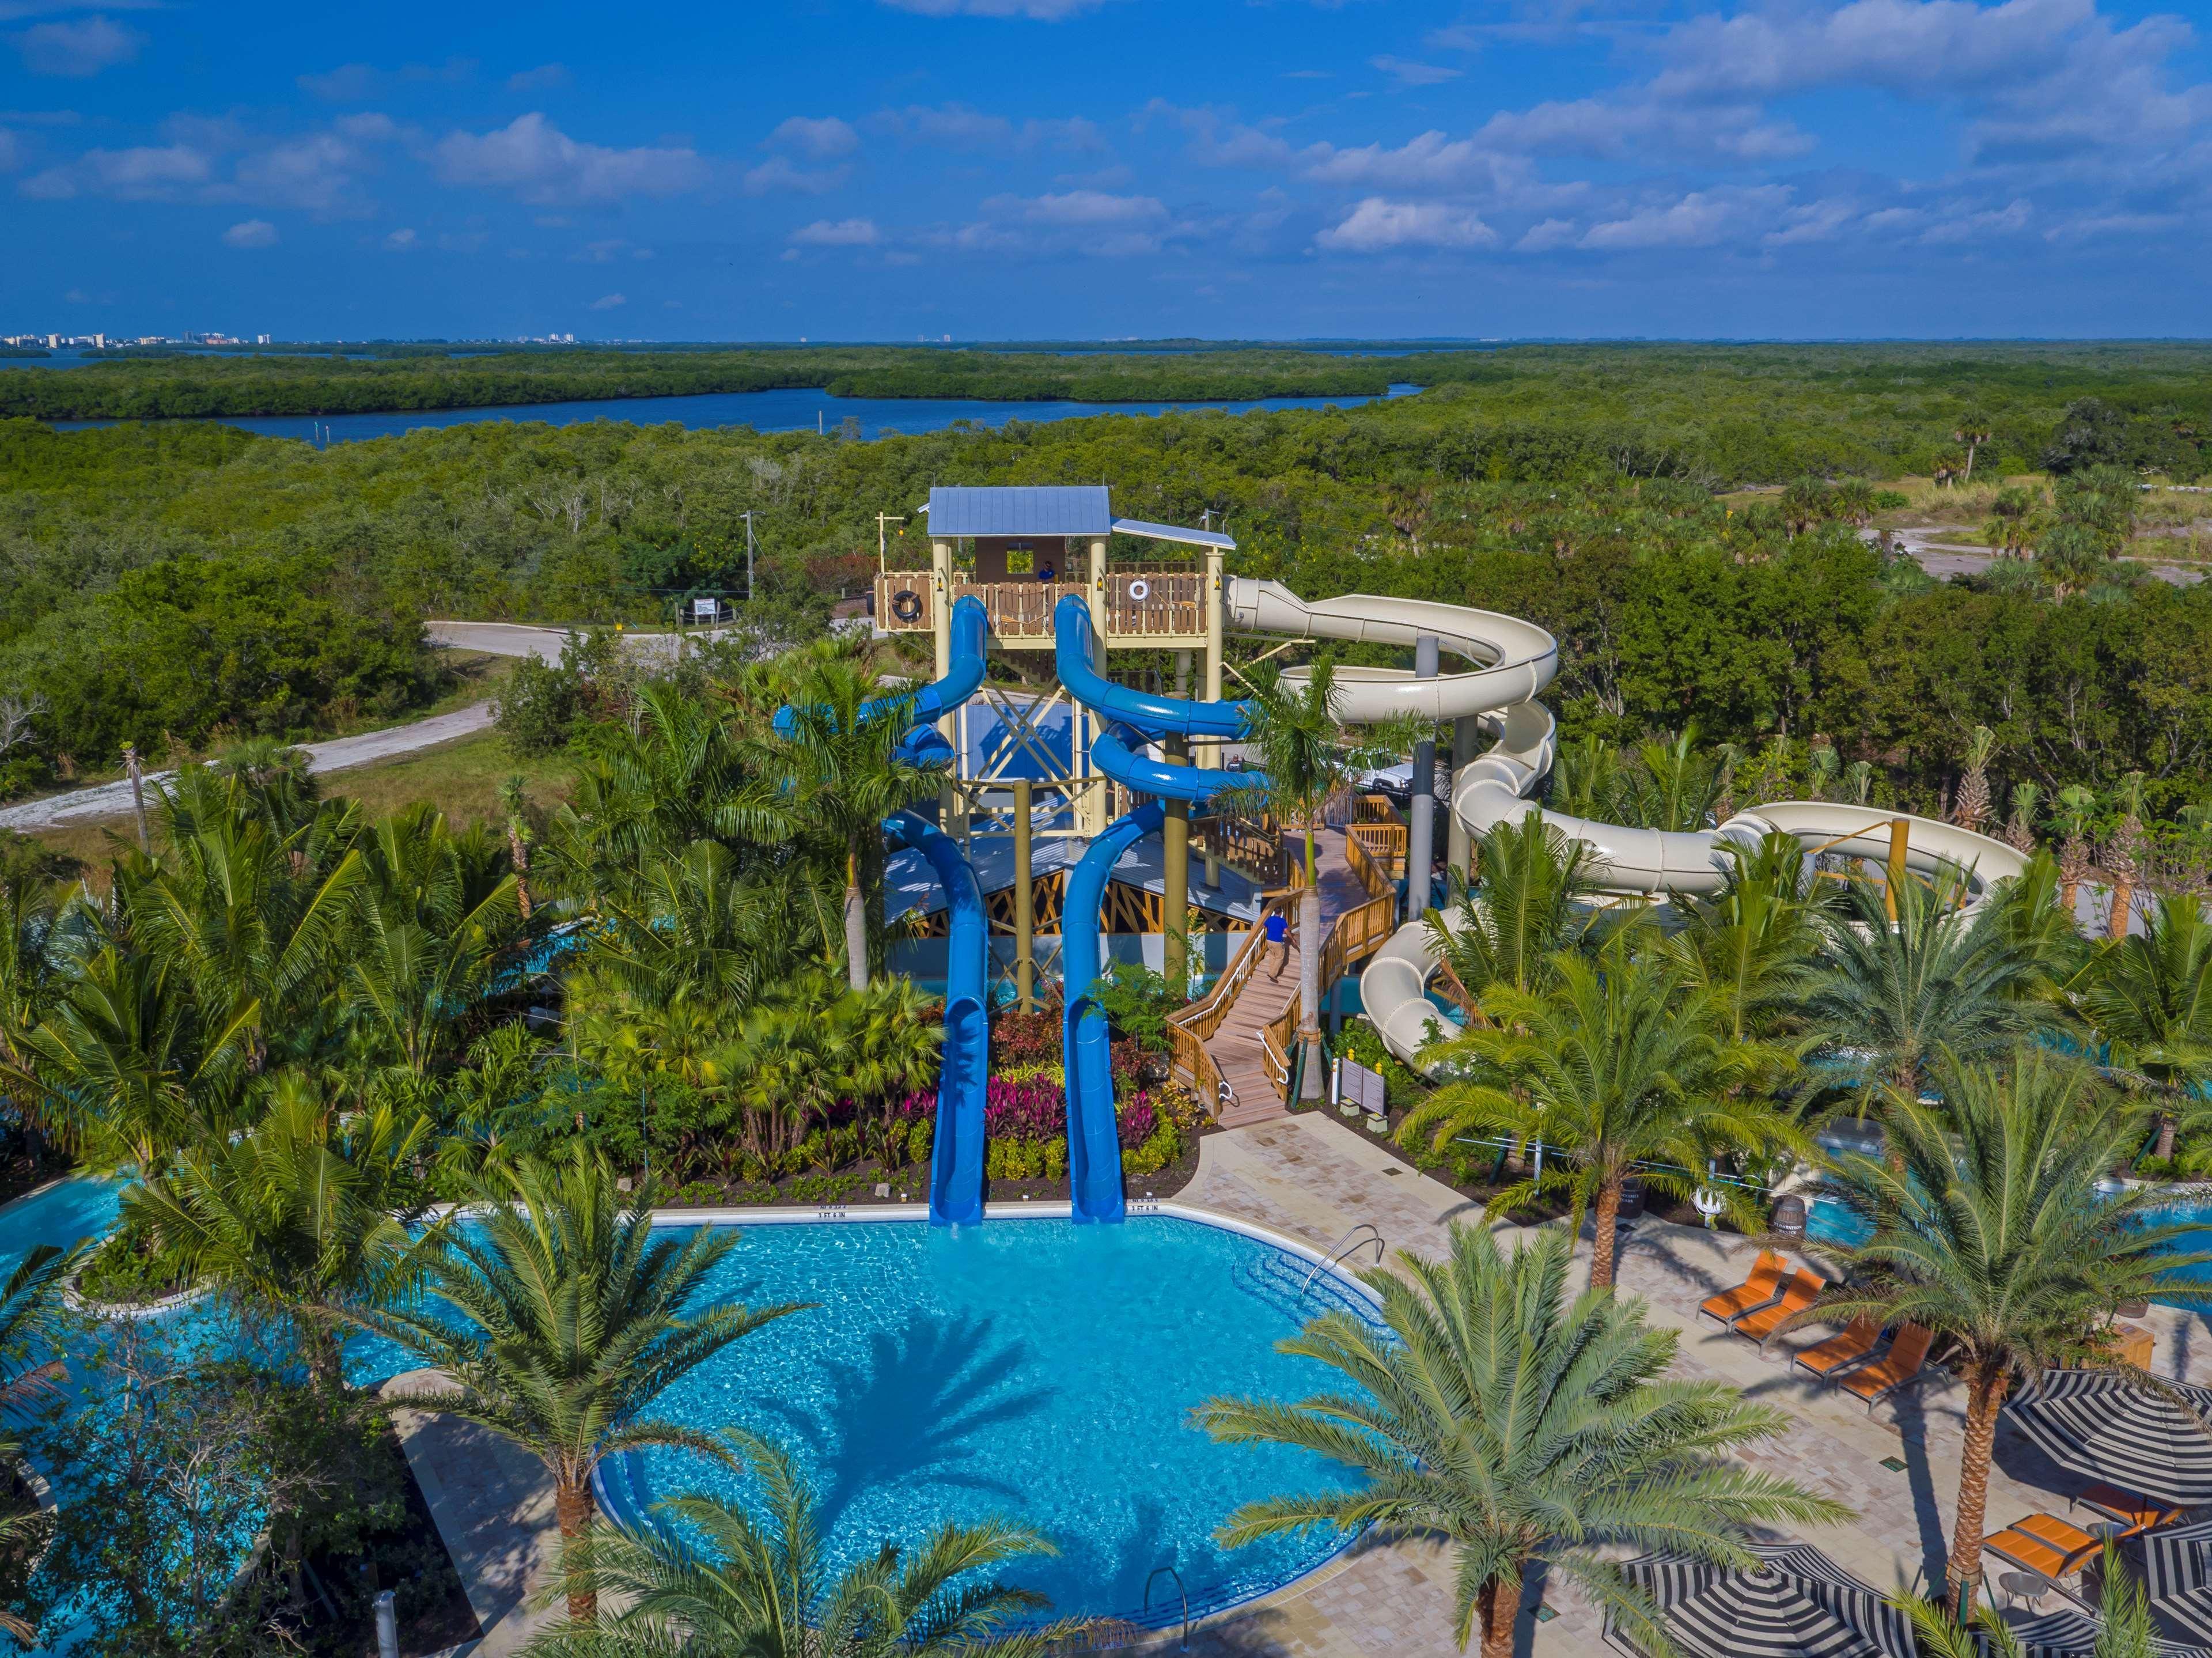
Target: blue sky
{"x":991,"y":169}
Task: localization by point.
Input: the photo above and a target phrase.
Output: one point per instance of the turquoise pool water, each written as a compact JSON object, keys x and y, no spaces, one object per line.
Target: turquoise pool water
{"x":1025,"y":1367}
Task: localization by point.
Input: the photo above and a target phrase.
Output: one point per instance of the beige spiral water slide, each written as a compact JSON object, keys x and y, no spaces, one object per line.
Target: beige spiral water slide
{"x":1510,"y":661}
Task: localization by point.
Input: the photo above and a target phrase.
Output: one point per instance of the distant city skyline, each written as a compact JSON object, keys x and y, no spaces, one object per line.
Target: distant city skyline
{"x":988,"y":170}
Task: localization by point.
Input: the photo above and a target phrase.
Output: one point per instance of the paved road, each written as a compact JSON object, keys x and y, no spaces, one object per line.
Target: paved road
{"x":1949,"y":558}
{"x":114,"y":799}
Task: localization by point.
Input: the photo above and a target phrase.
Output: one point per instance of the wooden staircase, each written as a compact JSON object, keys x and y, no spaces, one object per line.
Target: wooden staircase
{"x":1233,"y":1046}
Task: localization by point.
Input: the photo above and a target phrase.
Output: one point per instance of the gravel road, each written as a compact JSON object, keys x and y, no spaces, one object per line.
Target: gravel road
{"x":114,"y":799}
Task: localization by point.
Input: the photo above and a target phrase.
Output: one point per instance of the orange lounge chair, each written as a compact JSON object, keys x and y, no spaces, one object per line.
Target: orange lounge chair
{"x":2135,"y":1513}
{"x":1802,"y":1291}
{"x":1839,"y":1353}
{"x":2045,"y":1544}
{"x":1875,"y":1381}
{"x":1761,"y":1288}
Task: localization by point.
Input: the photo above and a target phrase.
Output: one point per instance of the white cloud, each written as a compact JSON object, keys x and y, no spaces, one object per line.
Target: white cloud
{"x":957,"y":126}
{"x":838,"y":232}
{"x":370,"y":127}
{"x":608,"y":302}
{"x":253,"y":233}
{"x":1375,"y":226}
{"x":608,"y":251}
{"x":1700,"y":219}
{"x":77,"y":49}
{"x":1412,"y":74}
{"x":315,"y":172}
{"x":400,"y":240}
{"x":546,"y":77}
{"x":778,"y":173}
{"x":824,"y":139}
{"x":1041,"y":11}
{"x":541,"y":164}
{"x":1216,"y":140}
{"x":143,"y":172}
{"x":348,"y":83}
{"x":1639,"y":125}
{"x":15,"y":11}
{"x":1078,"y":207}
{"x":1544,"y":237}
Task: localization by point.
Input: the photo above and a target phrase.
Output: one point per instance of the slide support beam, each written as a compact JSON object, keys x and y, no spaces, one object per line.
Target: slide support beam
{"x":1024,"y":902}
{"x":1421,"y":818}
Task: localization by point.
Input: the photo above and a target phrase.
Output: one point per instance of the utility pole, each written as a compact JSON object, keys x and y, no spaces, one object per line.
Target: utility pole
{"x":748,"y":517}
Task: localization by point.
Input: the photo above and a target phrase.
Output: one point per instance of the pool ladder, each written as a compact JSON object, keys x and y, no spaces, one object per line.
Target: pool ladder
{"x":1359,"y":1237}
{"x":1184,"y":1646}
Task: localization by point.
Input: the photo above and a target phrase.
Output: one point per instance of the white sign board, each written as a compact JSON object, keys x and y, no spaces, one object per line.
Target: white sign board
{"x":706,"y":610}
{"x":1364,"y":1088}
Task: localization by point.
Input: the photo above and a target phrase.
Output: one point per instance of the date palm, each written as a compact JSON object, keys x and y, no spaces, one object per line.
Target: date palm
{"x":556,"y":1319}
{"x":2075,"y":812}
{"x":1993,"y":1229}
{"x":1617,"y":1066}
{"x":710,"y":1580}
{"x":2125,"y":854}
{"x":1517,"y":1426}
{"x":1898,"y":993}
{"x":306,"y":1213}
{"x":2149,"y":997}
{"x":838,"y":768}
{"x":1751,"y":944}
{"x":1509,"y":929}
{"x":2019,"y":828}
{"x":1972,"y":808}
{"x":2125,"y":1628}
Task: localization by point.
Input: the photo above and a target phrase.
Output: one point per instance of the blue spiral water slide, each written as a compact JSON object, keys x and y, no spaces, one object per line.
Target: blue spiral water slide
{"x":1133,"y":719}
{"x":955,"y":1159}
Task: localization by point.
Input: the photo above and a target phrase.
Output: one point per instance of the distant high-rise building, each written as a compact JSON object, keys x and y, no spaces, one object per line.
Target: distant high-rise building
{"x":261,"y":339}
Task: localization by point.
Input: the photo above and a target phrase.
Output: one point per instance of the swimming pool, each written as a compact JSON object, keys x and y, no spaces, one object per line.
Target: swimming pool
{"x":1025,"y":1367}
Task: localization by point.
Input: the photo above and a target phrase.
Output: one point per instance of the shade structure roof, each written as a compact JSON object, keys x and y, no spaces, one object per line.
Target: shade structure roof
{"x":1020,"y":510}
{"x":1137,"y":527}
{"x":2111,"y":1427}
{"x":1794,"y":1603}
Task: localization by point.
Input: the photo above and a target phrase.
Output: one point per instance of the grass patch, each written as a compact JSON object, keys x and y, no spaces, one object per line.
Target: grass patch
{"x":461,"y":778}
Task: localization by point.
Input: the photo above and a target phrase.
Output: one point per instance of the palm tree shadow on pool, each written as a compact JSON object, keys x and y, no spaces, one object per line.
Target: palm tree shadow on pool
{"x":907,"y":1410}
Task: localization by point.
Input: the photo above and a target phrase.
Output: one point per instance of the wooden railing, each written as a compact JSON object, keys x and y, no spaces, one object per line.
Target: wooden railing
{"x":1252,"y":849}
{"x":1358,"y":933}
{"x":1154,"y":603}
{"x":1188,"y":1030}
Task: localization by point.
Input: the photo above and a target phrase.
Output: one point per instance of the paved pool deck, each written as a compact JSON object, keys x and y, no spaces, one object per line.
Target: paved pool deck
{"x":1313,"y":1178}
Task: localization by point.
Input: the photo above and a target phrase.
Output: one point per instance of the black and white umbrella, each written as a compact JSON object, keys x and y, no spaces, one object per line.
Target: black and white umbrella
{"x":2176,"y":1574}
{"x":2067,"y":1633}
{"x":1794,"y":1603}
{"x":2113,"y":1428}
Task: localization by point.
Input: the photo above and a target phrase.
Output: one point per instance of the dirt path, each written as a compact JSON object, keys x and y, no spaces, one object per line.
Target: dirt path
{"x":114,"y":799}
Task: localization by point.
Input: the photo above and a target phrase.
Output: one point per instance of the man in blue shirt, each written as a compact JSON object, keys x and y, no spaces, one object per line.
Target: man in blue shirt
{"x":1278,"y":932}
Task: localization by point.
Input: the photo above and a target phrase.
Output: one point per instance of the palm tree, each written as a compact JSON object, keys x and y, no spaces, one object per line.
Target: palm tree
{"x":2149,"y":997}
{"x":2019,"y":828}
{"x":838,"y":771}
{"x":1994,"y":1230}
{"x":1525,"y":910}
{"x":437,"y":929}
{"x":513,"y":804}
{"x":2077,"y":806}
{"x":1972,"y":808}
{"x":713,"y":1580}
{"x":30,"y":1299}
{"x":1973,"y":431}
{"x":1751,"y":944}
{"x":2124,"y":853}
{"x":1932,"y":980}
{"x":306,"y":1213}
{"x":1619,"y":1066}
{"x":1673,"y":783}
{"x":1518,"y":1426}
{"x":2125,"y":1626}
{"x":556,"y":1320}
{"x":1306,"y":756}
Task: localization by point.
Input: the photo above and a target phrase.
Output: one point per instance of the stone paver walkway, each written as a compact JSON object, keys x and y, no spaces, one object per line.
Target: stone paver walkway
{"x":1314,"y":1178}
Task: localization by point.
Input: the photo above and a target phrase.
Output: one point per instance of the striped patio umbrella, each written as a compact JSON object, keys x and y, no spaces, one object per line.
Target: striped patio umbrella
{"x":2067,"y":1633}
{"x":2176,"y":1574}
{"x":1795,"y":1603}
{"x":2109,"y":1427}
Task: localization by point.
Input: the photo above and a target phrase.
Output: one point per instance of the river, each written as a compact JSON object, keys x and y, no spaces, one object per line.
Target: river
{"x":790,"y":409}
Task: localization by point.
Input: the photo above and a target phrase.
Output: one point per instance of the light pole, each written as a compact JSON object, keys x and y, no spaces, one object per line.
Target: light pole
{"x":748,"y":517}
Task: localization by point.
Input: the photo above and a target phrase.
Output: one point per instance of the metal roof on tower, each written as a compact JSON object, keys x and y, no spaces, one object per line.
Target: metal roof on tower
{"x":1021,"y":510}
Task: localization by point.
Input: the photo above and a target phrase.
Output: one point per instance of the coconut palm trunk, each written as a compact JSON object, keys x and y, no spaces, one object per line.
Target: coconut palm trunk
{"x":856,"y":923}
{"x":1312,"y":1066}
